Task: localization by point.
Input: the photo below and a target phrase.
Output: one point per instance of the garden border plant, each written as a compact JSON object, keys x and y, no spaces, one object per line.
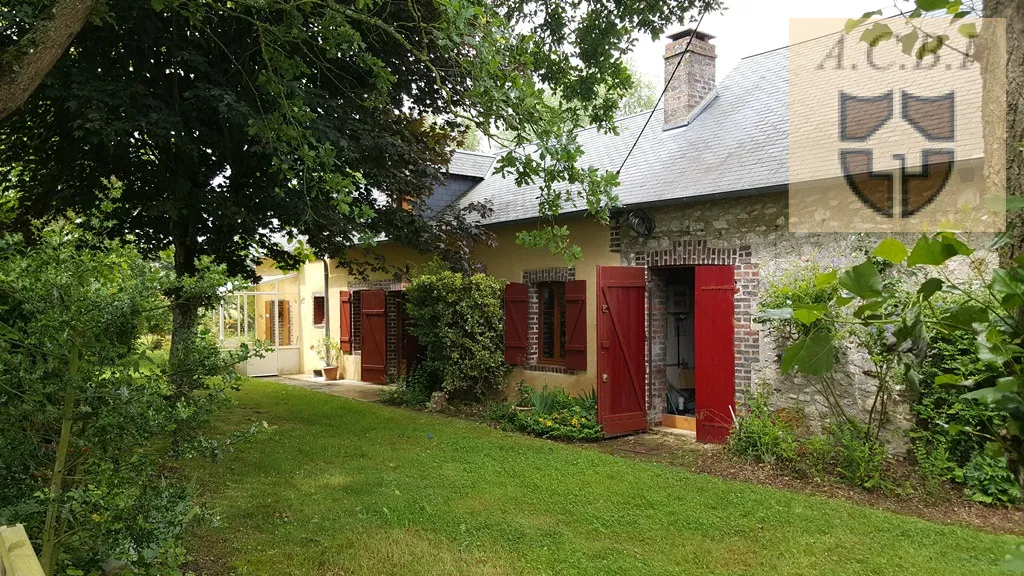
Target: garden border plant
{"x":549,"y":413}
{"x":991,"y":310}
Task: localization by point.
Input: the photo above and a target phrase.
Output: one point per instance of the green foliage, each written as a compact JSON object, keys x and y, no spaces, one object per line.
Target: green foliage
{"x":412,"y":390}
{"x":950,"y":430}
{"x":552,"y":413}
{"x":926,"y":332}
{"x":460,"y":324}
{"x":588,"y":399}
{"x":545,"y":401}
{"x":87,"y":413}
{"x":328,"y":350}
{"x":807,"y":288}
{"x":859,"y":458}
{"x":573,"y":423}
{"x":815,"y":457}
{"x":760,"y":436}
{"x":277,"y":110}
{"x":989,"y":480}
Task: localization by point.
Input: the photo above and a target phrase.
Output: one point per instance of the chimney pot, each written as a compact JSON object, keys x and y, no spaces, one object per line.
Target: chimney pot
{"x":694,"y":79}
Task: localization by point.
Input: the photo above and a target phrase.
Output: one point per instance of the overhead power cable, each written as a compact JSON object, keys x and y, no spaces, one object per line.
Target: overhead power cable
{"x":668,"y":83}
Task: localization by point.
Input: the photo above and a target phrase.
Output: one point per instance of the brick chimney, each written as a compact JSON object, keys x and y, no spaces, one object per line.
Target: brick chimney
{"x":694,"y":79}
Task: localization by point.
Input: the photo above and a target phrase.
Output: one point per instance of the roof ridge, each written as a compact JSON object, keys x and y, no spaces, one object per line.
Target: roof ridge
{"x":787,"y":46}
{"x":473,"y":153}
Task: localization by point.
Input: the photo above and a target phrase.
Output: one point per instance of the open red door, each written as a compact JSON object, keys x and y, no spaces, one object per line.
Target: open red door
{"x":374,"y":350}
{"x":714,"y":352}
{"x":621,"y":337}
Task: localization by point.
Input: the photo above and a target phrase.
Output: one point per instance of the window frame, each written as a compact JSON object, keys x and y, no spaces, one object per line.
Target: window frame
{"x":558,"y":289}
{"x":323,"y":307}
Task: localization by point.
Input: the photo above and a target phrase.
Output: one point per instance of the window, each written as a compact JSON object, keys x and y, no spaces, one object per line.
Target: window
{"x":551,"y":329}
{"x":318,"y":310}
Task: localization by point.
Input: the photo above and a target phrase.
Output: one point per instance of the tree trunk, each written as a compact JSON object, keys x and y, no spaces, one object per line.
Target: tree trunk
{"x":51,"y":549}
{"x":184,"y":313}
{"x":25,"y":65}
{"x":1013,"y":12}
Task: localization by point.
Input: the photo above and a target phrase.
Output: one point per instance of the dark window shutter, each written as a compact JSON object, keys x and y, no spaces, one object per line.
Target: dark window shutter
{"x":345,"y":333}
{"x":576,"y":325}
{"x":515,"y":323}
{"x":318,"y":310}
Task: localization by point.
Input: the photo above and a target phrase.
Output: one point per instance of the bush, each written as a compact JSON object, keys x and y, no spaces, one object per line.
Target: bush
{"x":412,"y":390}
{"x":859,"y":457}
{"x":946,"y":423}
{"x":87,"y":415}
{"x":759,"y":435}
{"x":460,"y":325}
{"x":989,"y":480}
{"x":815,"y":457}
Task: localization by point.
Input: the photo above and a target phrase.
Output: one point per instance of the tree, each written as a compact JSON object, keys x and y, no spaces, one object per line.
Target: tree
{"x":230,"y":126}
{"x":641,"y":95}
{"x":85,"y":410}
{"x":36,"y":47}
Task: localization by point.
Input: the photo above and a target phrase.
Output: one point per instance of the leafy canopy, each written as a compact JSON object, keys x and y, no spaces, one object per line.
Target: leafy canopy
{"x":235,"y":125}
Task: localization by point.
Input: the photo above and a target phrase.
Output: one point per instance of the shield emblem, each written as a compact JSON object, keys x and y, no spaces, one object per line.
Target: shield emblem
{"x":861,"y":117}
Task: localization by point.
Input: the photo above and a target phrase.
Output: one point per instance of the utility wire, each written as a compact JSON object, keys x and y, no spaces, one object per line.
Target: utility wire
{"x":668,"y":82}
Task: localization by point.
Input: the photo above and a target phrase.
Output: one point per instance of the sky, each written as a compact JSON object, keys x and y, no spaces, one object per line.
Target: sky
{"x":750,"y":27}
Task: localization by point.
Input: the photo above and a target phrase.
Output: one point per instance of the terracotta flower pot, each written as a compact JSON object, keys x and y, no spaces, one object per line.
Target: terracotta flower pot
{"x":330,"y":372}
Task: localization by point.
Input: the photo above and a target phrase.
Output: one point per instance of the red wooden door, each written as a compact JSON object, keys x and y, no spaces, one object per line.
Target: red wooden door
{"x":621,"y":337}
{"x":714,"y":352}
{"x":374,"y":349}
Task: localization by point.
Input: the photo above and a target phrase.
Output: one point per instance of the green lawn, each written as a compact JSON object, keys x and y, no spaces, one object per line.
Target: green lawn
{"x":343,"y":487}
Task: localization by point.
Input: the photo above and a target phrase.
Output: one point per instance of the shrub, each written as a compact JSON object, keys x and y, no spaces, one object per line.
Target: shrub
{"x":759,"y":435}
{"x":946,"y":422}
{"x":935,"y":465}
{"x":859,"y":457}
{"x":460,"y":324}
{"x":815,"y":457}
{"x":989,"y":480}
{"x":413,"y":389}
{"x":87,"y":416}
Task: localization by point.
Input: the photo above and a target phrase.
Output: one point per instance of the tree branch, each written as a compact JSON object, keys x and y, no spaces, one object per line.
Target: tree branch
{"x":24,"y":66}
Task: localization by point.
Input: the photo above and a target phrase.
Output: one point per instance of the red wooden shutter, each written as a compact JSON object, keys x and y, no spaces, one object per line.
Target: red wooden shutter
{"x":374,"y":326}
{"x":318,"y":310}
{"x":576,"y":325}
{"x":345,"y":333}
{"x":621,"y":337}
{"x":714,"y":353}
{"x":515,"y":323}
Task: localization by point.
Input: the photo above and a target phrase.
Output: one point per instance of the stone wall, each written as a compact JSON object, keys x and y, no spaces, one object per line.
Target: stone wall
{"x":752,"y":233}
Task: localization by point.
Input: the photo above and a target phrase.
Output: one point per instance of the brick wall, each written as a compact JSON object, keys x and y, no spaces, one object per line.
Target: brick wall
{"x":693,"y":80}
{"x":357,"y":306}
{"x":531,"y":278}
{"x":392,"y":303}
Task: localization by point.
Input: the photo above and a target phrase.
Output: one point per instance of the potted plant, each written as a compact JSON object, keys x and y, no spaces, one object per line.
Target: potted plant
{"x":329,"y":352}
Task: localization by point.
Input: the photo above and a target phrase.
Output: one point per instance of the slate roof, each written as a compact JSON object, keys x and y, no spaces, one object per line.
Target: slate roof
{"x":472,"y":164}
{"x":737,"y":142}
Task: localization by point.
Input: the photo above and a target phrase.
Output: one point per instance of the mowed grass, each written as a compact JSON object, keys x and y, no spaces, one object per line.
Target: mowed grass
{"x":343,"y":487}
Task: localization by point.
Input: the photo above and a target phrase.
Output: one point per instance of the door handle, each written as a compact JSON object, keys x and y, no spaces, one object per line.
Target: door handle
{"x":604,"y":377}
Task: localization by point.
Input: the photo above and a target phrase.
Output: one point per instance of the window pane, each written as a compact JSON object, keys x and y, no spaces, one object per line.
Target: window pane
{"x":547,"y":321}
